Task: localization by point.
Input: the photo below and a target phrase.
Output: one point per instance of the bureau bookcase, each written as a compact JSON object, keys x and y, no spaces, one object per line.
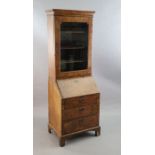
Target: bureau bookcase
{"x":73,"y":97}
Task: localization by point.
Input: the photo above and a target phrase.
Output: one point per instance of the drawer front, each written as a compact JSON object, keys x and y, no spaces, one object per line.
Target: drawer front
{"x":77,"y":112}
{"x":80,"y":124}
{"x":80,"y":101}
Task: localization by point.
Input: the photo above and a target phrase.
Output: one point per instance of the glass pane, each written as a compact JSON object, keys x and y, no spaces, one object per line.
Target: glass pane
{"x":74,"y":46}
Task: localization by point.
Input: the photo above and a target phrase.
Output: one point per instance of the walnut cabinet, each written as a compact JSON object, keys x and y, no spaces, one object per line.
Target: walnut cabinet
{"x":73,"y":97}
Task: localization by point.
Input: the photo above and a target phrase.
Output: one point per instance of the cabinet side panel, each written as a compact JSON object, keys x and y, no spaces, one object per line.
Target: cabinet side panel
{"x":54,"y":98}
{"x":55,"y":109}
{"x":50,"y":102}
{"x":51,"y":63}
{"x":51,"y":48}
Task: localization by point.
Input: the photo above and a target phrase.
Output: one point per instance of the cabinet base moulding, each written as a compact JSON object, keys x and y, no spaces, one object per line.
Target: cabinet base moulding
{"x":63,"y":138}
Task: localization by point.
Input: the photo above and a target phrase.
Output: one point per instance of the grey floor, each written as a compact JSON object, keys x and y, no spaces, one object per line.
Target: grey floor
{"x":108,"y":143}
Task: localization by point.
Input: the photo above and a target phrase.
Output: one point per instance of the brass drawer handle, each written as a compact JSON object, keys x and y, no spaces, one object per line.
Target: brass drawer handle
{"x":81,"y":99}
{"x":81,"y":109}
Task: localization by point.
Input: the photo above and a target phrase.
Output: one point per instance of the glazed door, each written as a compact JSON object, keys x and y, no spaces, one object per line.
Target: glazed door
{"x":73,"y":46}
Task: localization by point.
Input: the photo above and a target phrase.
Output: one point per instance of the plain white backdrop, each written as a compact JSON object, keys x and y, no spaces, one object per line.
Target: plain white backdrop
{"x":138,"y":84}
{"x":106,"y":58}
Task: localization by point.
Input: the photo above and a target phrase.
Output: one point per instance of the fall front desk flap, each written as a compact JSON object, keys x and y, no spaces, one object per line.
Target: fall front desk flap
{"x":77,"y":87}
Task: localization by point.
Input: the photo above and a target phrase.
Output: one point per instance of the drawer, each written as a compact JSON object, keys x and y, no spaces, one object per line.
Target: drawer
{"x":77,"y":112}
{"x":80,"y":101}
{"x":80,"y":124}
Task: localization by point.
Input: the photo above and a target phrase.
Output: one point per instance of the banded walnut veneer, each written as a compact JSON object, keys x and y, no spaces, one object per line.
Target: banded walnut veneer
{"x":73,"y":97}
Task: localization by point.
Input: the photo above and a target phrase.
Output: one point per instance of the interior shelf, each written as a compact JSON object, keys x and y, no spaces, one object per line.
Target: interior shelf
{"x":73,"y":32}
{"x":72,"y":47}
{"x":72,"y":61}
